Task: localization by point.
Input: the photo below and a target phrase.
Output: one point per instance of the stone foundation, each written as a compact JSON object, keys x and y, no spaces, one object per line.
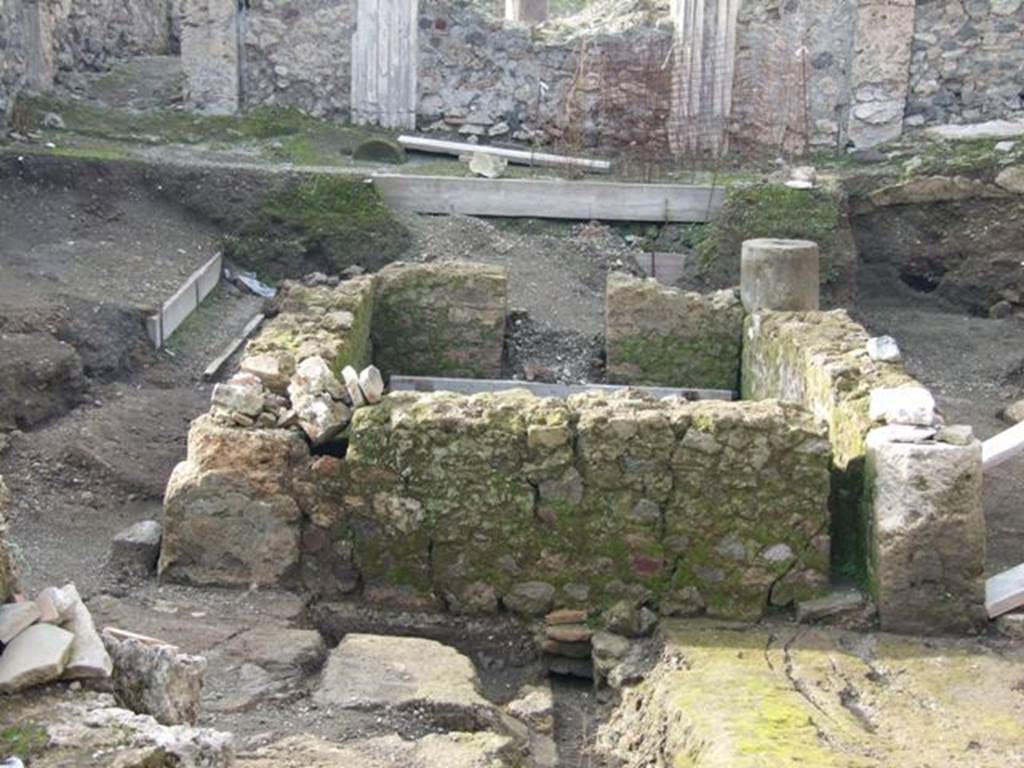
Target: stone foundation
{"x":663,"y":336}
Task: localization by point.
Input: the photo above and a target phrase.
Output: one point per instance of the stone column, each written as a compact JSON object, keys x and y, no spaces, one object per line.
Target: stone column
{"x":926,"y":532}
{"x":779,"y":275}
{"x":210,"y":55}
{"x":40,"y":66}
{"x":880,"y":70}
{"x":529,"y":11}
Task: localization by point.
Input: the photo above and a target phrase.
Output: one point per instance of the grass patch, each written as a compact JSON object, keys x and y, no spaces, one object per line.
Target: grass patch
{"x":770,"y":210}
{"x":326,"y":224}
{"x":23,"y":742}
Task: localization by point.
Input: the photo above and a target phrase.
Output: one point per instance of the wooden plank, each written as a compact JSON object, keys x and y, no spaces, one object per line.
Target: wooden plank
{"x":399,"y":383}
{"x":213,"y":369}
{"x":550,"y":199}
{"x":1004,"y":592}
{"x":384,"y":63}
{"x":1002,"y":447}
{"x":517,"y":156}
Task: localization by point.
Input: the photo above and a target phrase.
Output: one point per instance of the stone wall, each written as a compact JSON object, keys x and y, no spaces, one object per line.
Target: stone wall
{"x":666,"y":337}
{"x":441,"y":319}
{"x":967,"y":63}
{"x":467,"y":500}
{"x":299,"y":54}
{"x":13,"y":63}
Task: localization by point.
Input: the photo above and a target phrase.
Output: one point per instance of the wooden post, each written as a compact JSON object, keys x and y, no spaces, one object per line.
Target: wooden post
{"x":528,"y":11}
{"x":384,"y":63}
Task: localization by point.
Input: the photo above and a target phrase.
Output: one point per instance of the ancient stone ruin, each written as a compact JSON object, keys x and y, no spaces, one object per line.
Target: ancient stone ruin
{"x":511,"y":383}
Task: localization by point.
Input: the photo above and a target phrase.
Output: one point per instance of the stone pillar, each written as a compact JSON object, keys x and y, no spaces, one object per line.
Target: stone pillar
{"x":880,"y":70}
{"x":210,"y":55}
{"x":780,"y":275}
{"x":926,"y":532}
{"x":40,"y":66}
{"x":529,"y":11}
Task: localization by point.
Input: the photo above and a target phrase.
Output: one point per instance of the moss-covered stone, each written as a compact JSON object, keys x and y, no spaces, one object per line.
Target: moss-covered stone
{"x":819,"y":360}
{"x":380,"y":150}
{"x":324,"y":223}
{"x":779,"y":696}
{"x":657,"y":335}
{"x":621,"y":495}
{"x":440,"y":319}
{"x":330,"y":321}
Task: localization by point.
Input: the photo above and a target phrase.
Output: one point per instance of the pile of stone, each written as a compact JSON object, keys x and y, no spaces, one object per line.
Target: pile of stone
{"x":271,"y":391}
{"x":566,"y":643}
{"x":51,"y":638}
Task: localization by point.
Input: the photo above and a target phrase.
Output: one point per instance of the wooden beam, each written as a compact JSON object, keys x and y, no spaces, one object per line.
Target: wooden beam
{"x":550,"y":199}
{"x":517,"y":156}
{"x":1004,"y":592}
{"x":213,"y":369}
{"x":542,"y":389}
{"x":1002,"y":447}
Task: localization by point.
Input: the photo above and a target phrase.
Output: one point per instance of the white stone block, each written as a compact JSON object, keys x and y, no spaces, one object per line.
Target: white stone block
{"x":904,"y":405}
{"x":884,"y":349}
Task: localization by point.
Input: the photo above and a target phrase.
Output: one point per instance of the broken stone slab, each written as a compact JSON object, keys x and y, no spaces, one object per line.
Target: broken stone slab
{"x":54,"y":606}
{"x":535,"y":706}
{"x":15,"y":618}
{"x":956,"y":434}
{"x":831,"y":605}
{"x":321,"y":417}
{"x":905,"y":433}
{"x":37,"y":655}
{"x":372,"y":384}
{"x":275,"y":369}
{"x":884,"y":349}
{"x":88,"y":657}
{"x":156,"y":680}
{"x":280,"y":651}
{"x":355,"y":394}
{"x":373,"y":672}
{"x":530,"y":598}
{"x":902,"y":405}
{"x":137,"y":547}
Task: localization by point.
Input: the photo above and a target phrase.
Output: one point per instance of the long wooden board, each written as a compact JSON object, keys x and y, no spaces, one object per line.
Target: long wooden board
{"x":541,"y":389}
{"x":1002,"y":447}
{"x":550,"y":198}
{"x":1004,"y":592}
{"x":517,"y":156}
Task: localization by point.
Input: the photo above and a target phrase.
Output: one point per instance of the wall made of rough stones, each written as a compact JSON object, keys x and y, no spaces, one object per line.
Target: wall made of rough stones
{"x":13,"y":64}
{"x":967,"y":62}
{"x":663,"y":336}
{"x":440,"y":319}
{"x":587,"y":500}
{"x":478,"y":74}
{"x":299,"y":54}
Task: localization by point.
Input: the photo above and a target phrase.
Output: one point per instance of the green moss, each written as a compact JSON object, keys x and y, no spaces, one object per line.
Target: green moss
{"x":668,"y":361}
{"x":770,"y":210}
{"x":380,"y":151}
{"x":25,"y":742}
{"x":325,"y":223}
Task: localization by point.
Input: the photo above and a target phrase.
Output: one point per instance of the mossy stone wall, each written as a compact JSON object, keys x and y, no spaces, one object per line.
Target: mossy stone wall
{"x":661,"y":336}
{"x":7,"y":580}
{"x":820,"y":361}
{"x":714,"y":505}
{"x":440,"y":319}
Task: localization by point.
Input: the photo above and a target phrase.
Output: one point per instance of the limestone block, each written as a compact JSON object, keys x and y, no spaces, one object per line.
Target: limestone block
{"x":137,"y":547}
{"x":37,"y":655}
{"x":15,"y":618}
{"x":156,"y":680}
{"x":779,"y":275}
{"x":904,"y":405}
{"x":927,"y":535}
{"x":88,"y":657}
{"x":663,"y":336}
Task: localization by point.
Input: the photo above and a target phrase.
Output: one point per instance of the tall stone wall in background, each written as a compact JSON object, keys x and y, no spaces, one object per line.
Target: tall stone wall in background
{"x":298,"y":53}
{"x":13,"y":55}
{"x":967,"y":63}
